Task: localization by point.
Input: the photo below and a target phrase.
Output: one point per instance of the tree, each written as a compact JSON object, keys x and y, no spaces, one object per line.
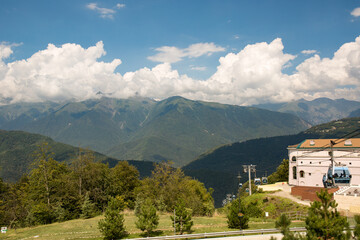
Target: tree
{"x":357,"y":226}
{"x":45,"y":177}
{"x":112,"y":227}
{"x":88,"y":208}
{"x":124,"y":179}
{"x":148,"y":220}
{"x":168,"y":184}
{"x":47,"y":187}
{"x":281,"y":174}
{"x":79,"y":165}
{"x":283,"y":223}
{"x":236,"y":217}
{"x":182,"y":220}
{"x":324,"y":221}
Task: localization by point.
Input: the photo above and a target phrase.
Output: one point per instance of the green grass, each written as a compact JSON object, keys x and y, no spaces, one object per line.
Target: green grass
{"x":87,"y":229}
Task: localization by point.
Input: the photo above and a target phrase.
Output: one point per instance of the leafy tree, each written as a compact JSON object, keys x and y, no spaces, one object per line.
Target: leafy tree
{"x":281,"y":174}
{"x":357,"y":226}
{"x":45,"y":177}
{"x":124,"y":179}
{"x":96,"y":182}
{"x":236,"y":217}
{"x":112,"y":227}
{"x":167,"y":184}
{"x":47,"y":188}
{"x":148,"y":220}
{"x":88,"y":208}
{"x":79,"y":165}
{"x":182,"y":219}
{"x":324,"y":221}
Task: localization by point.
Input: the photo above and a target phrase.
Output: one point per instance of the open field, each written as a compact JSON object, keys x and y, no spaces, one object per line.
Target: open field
{"x":87,"y":229}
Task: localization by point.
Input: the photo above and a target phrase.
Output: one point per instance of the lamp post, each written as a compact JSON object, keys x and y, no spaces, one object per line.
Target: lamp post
{"x":240,"y":214}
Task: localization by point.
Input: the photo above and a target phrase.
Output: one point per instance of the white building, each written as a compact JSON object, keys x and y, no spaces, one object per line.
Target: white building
{"x":310,"y":160}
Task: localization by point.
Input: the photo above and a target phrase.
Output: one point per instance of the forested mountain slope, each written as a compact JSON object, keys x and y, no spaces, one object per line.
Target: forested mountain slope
{"x":17,"y":153}
{"x":218,"y":168}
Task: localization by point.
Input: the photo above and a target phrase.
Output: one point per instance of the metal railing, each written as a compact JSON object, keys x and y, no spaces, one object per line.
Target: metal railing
{"x":221,"y":234}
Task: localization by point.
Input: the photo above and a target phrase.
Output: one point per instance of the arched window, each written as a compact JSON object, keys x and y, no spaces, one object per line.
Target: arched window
{"x":302,"y":173}
{"x":293,"y":158}
{"x":294,"y":172}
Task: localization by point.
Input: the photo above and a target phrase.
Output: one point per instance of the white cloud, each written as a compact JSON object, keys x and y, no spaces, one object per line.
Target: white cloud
{"x":197,"y":68}
{"x":171,"y":54}
{"x":5,"y":51}
{"x":308,"y":52}
{"x":104,"y":12}
{"x":356,"y":12}
{"x":120,"y":5}
{"x":59,"y":73}
{"x":253,"y":75}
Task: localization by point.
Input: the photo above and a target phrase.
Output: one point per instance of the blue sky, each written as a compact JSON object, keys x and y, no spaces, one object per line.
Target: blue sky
{"x":184,"y":41}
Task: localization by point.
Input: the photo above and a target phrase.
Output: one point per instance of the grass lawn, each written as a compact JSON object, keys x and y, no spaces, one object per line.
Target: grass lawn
{"x":87,"y":229}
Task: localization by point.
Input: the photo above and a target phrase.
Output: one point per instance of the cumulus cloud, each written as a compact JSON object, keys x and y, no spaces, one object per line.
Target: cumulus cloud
{"x":356,"y":12}
{"x":104,"y":12}
{"x":170,"y":54}
{"x":308,"y":52}
{"x":59,"y":73}
{"x":253,"y":75}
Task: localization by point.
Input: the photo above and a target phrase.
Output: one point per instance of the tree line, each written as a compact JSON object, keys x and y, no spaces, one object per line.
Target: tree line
{"x":53,"y":191}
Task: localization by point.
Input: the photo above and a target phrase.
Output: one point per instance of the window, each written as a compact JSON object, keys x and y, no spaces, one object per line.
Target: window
{"x":302,"y":173}
{"x":293,"y":158}
{"x":310,"y":162}
{"x":309,"y":173}
{"x":294,"y":172}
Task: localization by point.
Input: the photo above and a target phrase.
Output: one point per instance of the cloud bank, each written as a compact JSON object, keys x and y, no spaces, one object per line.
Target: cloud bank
{"x":253,"y":75}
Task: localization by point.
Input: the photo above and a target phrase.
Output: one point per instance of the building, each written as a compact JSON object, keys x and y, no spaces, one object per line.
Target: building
{"x":309,"y":160}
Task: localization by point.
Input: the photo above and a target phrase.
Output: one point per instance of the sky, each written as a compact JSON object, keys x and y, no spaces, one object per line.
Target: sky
{"x":240,"y":52}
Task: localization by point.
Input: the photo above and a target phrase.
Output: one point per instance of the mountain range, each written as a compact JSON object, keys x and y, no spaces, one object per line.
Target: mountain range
{"x":317,"y":111}
{"x":175,"y":129}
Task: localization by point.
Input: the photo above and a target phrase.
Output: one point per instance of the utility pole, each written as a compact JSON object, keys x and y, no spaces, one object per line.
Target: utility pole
{"x":174,"y":223}
{"x":249,"y":169}
{"x":332,"y":143}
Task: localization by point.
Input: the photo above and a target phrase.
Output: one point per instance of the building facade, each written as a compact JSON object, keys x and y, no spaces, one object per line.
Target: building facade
{"x":310,"y":160}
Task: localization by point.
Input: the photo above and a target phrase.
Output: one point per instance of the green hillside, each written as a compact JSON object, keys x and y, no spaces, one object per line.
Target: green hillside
{"x":17,"y":148}
{"x":218,"y":168}
{"x":175,"y":129}
{"x":317,"y":111}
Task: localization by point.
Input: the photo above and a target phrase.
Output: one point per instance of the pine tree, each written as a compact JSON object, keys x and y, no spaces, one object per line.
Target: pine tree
{"x":236,"y":217}
{"x":88,"y":208}
{"x":112,"y":227}
{"x":324,"y":221}
{"x":148,"y":220}
{"x":183,"y":222}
